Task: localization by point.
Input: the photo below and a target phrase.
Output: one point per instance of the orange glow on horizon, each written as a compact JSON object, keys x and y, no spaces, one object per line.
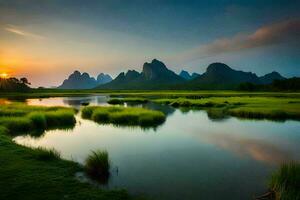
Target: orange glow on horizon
{"x":4,"y":75}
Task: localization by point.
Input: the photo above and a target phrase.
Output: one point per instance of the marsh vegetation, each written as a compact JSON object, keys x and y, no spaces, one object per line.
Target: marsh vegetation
{"x":127,"y":116}
{"x":244,"y":107}
{"x":20,"y":118}
{"x":285,"y":182}
{"x":132,"y":100}
{"x":97,"y":165}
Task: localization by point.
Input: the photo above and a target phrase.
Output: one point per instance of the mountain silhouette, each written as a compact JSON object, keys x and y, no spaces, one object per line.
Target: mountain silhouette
{"x":221,"y":76}
{"x":84,"y":81}
{"x":269,"y":78}
{"x":153,"y":76}
{"x":156,"y":75}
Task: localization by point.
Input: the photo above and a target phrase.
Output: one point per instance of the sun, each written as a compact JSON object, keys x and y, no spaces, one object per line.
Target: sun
{"x":3,"y":75}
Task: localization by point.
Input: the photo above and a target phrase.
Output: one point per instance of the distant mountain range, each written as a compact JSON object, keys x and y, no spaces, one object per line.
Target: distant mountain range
{"x":156,"y":75}
{"x":221,"y":76}
{"x":84,"y":81}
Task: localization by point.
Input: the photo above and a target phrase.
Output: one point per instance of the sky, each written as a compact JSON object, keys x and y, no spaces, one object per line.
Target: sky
{"x":46,"y":40}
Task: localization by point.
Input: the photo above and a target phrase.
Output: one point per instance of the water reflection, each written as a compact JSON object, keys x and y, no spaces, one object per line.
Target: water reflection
{"x":69,"y":101}
{"x":256,"y":149}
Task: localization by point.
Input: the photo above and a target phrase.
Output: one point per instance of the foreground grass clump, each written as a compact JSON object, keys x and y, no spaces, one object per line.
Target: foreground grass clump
{"x":21,"y":118}
{"x":124,"y":116}
{"x":285,"y":182}
{"x":97,"y":165}
{"x":116,"y":101}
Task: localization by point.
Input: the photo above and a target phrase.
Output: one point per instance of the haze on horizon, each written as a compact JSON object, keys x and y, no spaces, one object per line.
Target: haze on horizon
{"x":47,"y":40}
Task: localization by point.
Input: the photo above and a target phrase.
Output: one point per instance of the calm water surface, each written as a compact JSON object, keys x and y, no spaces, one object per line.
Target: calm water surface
{"x":190,"y":156}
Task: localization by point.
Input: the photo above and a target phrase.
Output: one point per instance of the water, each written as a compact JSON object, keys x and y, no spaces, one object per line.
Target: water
{"x":190,"y":156}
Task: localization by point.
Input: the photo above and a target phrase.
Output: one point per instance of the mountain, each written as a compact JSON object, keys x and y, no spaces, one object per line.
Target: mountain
{"x":195,"y":75}
{"x":221,"y":76}
{"x":103,"y":78}
{"x":186,"y":75}
{"x":83,"y":81}
{"x":153,"y":76}
{"x":269,"y":78}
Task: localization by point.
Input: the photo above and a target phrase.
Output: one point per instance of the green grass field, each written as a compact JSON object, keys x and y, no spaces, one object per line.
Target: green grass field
{"x":276,"y":108}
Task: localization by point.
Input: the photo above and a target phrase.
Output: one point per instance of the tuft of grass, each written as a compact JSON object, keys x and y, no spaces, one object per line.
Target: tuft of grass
{"x":97,"y":165}
{"x":47,"y":154}
{"x":87,"y":112}
{"x":39,"y":120}
{"x":127,"y":116}
{"x":285,"y":182}
{"x":60,"y":118}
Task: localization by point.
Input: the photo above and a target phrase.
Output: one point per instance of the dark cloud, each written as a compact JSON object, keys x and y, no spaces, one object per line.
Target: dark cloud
{"x":277,"y":33}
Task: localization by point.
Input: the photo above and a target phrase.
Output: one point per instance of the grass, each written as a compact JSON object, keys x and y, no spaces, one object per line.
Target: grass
{"x":21,"y":118}
{"x":274,"y":108}
{"x":47,"y":154}
{"x":285,"y":182}
{"x":124,"y":116}
{"x":29,"y":174}
{"x":97,"y":165}
{"x":115,"y":101}
{"x":33,"y":174}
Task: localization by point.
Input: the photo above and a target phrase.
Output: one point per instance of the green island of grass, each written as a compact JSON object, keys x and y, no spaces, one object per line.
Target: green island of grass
{"x":27,"y":173}
{"x":274,"y":108}
{"x":126,"y":116}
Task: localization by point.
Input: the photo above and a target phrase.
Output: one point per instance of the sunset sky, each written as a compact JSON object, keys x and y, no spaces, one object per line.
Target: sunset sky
{"x":46,"y":40}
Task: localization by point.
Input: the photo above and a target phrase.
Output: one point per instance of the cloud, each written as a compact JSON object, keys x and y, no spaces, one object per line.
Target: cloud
{"x":276,"y":33}
{"x":18,"y":31}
